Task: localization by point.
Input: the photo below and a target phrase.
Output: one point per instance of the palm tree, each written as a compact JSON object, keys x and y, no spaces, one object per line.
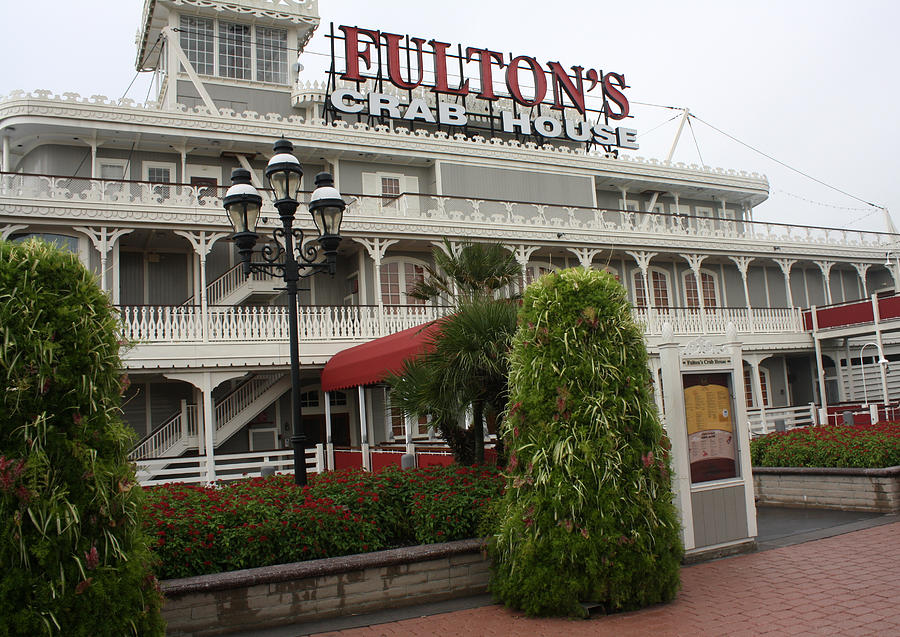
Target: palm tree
{"x":466,"y":365}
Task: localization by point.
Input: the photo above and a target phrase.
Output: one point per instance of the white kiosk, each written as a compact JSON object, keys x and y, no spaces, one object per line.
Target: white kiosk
{"x":706,"y":421}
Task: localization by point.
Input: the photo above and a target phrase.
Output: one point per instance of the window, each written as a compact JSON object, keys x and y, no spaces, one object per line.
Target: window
{"x":61,"y":241}
{"x":535,"y":271}
{"x":236,"y":44}
{"x":388,"y":187}
{"x":234,"y":50}
{"x":111,"y":168}
{"x":397,"y":420}
{"x":390,"y":190}
{"x":398,"y":278}
{"x":271,"y":55}
{"x":337,"y":399}
{"x":748,"y":387}
{"x":659,"y":285}
{"x":708,"y":284}
{"x":159,"y":173}
{"x":197,"y":42}
{"x":309,"y":398}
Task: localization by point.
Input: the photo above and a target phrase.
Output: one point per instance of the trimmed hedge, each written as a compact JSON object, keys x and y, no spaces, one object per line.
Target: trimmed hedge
{"x":74,"y":558}
{"x":588,"y":514}
{"x":263,"y":521}
{"x":842,"y":446}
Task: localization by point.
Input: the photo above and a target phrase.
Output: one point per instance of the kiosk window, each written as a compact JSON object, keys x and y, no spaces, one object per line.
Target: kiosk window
{"x":709,"y":414}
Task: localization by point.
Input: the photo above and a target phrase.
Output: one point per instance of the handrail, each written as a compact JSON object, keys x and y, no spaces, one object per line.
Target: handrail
{"x":894,"y":237}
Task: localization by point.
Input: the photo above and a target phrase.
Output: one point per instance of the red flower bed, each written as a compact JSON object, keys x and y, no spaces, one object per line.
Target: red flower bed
{"x":859,"y":446}
{"x":263,"y":521}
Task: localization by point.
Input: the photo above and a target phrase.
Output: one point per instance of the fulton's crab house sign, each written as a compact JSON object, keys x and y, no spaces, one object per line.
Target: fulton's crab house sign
{"x":540,"y":100}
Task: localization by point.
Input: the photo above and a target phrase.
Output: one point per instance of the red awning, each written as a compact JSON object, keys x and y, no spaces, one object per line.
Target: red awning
{"x":372,"y":362}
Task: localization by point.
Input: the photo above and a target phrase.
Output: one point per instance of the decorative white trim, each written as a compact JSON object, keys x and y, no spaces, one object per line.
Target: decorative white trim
{"x":702,"y":346}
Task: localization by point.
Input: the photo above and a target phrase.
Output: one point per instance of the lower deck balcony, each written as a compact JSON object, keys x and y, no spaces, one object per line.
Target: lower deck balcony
{"x":194,"y":336}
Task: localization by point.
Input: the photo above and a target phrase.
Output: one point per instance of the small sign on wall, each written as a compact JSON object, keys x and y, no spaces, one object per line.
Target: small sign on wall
{"x":709,"y":416}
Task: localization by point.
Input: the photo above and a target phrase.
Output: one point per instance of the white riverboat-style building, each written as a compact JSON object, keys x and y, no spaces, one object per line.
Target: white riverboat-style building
{"x":135,"y":191}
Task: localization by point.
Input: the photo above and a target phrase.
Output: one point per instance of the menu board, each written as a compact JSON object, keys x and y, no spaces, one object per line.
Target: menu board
{"x":710,"y":426}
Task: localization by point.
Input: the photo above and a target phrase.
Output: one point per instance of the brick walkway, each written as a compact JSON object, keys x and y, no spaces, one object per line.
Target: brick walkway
{"x":844,"y":585}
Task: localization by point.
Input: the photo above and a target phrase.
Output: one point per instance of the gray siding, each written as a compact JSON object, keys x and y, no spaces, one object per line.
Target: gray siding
{"x":720,"y":515}
{"x":238,"y":99}
{"x":515,"y":185}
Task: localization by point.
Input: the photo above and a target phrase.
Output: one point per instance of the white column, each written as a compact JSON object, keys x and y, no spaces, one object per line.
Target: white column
{"x":876,"y":312}
{"x":742,"y":428}
{"x":103,"y":240}
{"x":522,"y":254}
{"x":202,"y":242}
{"x":329,"y":442}
{"x":676,"y":430}
{"x":756,"y":388}
{"x":4,"y":158}
{"x":364,"y":430}
{"x":377,"y":247}
{"x":823,"y":400}
{"x":694,"y":262}
{"x":209,"y":427}
{"x":785,"y":265}
{"x":743,"y":263}
{"x":408,"y":421}
{"x":825,"y":267}
{"x":862,"y":269}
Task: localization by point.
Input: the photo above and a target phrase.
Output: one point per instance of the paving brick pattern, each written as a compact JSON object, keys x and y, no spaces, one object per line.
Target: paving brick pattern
{"x":844,"y":585}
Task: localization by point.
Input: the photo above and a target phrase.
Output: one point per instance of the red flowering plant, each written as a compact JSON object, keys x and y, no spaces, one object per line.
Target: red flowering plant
{"x":859,"y":446}
{"x":262,"y":521}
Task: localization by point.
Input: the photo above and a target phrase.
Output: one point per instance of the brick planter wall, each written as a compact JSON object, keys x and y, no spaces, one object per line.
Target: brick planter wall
{"x":848,"y":489}
{"x":270,"y":596}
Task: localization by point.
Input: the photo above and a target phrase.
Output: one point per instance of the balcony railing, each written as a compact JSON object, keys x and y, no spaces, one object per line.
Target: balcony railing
{"x":694,"y":321}
{"x":444,"y":210}
{"x":187,"y":324}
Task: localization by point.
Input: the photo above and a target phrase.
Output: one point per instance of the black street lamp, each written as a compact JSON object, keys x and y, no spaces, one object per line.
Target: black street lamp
{"x":242,"y":204}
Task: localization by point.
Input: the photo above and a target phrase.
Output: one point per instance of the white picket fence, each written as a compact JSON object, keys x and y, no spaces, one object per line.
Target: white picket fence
{"x":196,"y":469}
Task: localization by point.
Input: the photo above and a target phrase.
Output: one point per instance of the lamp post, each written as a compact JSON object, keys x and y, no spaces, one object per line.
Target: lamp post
{"x":295,"y":259}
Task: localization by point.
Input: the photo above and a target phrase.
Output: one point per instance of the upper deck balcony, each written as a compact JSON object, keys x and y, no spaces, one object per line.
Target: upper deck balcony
{"x":188,"y":336}
{"x":57,"y":199}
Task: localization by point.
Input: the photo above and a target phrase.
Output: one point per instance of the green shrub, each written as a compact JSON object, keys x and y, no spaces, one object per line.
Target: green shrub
{"x":587,"y":515}
{"x":261,"y":521}
{"x":74,"y":558}
{"x":859,"y":446}
{"x":247,"y":524}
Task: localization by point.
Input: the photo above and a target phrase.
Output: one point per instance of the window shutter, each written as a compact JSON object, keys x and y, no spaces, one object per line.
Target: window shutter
{"x":371,"y":186}
{"x":411,"y":185}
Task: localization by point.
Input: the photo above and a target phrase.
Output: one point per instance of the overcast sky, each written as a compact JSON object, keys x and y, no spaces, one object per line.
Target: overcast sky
{"x":813,"y":84}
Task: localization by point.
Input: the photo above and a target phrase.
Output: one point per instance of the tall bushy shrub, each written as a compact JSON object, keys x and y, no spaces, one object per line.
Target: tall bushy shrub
{"x":588,"y":513}
{"x":73,"y":556}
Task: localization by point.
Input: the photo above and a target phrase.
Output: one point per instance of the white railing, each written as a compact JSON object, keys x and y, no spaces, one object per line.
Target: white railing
{"x":241,"y":398}
{"x":764,"y":421}
{"x":687,"y":321}
{"x":225,"y":467}
{"x":181,"y":426}
{"x":185,"y":324}
{"x":451,"y":211}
